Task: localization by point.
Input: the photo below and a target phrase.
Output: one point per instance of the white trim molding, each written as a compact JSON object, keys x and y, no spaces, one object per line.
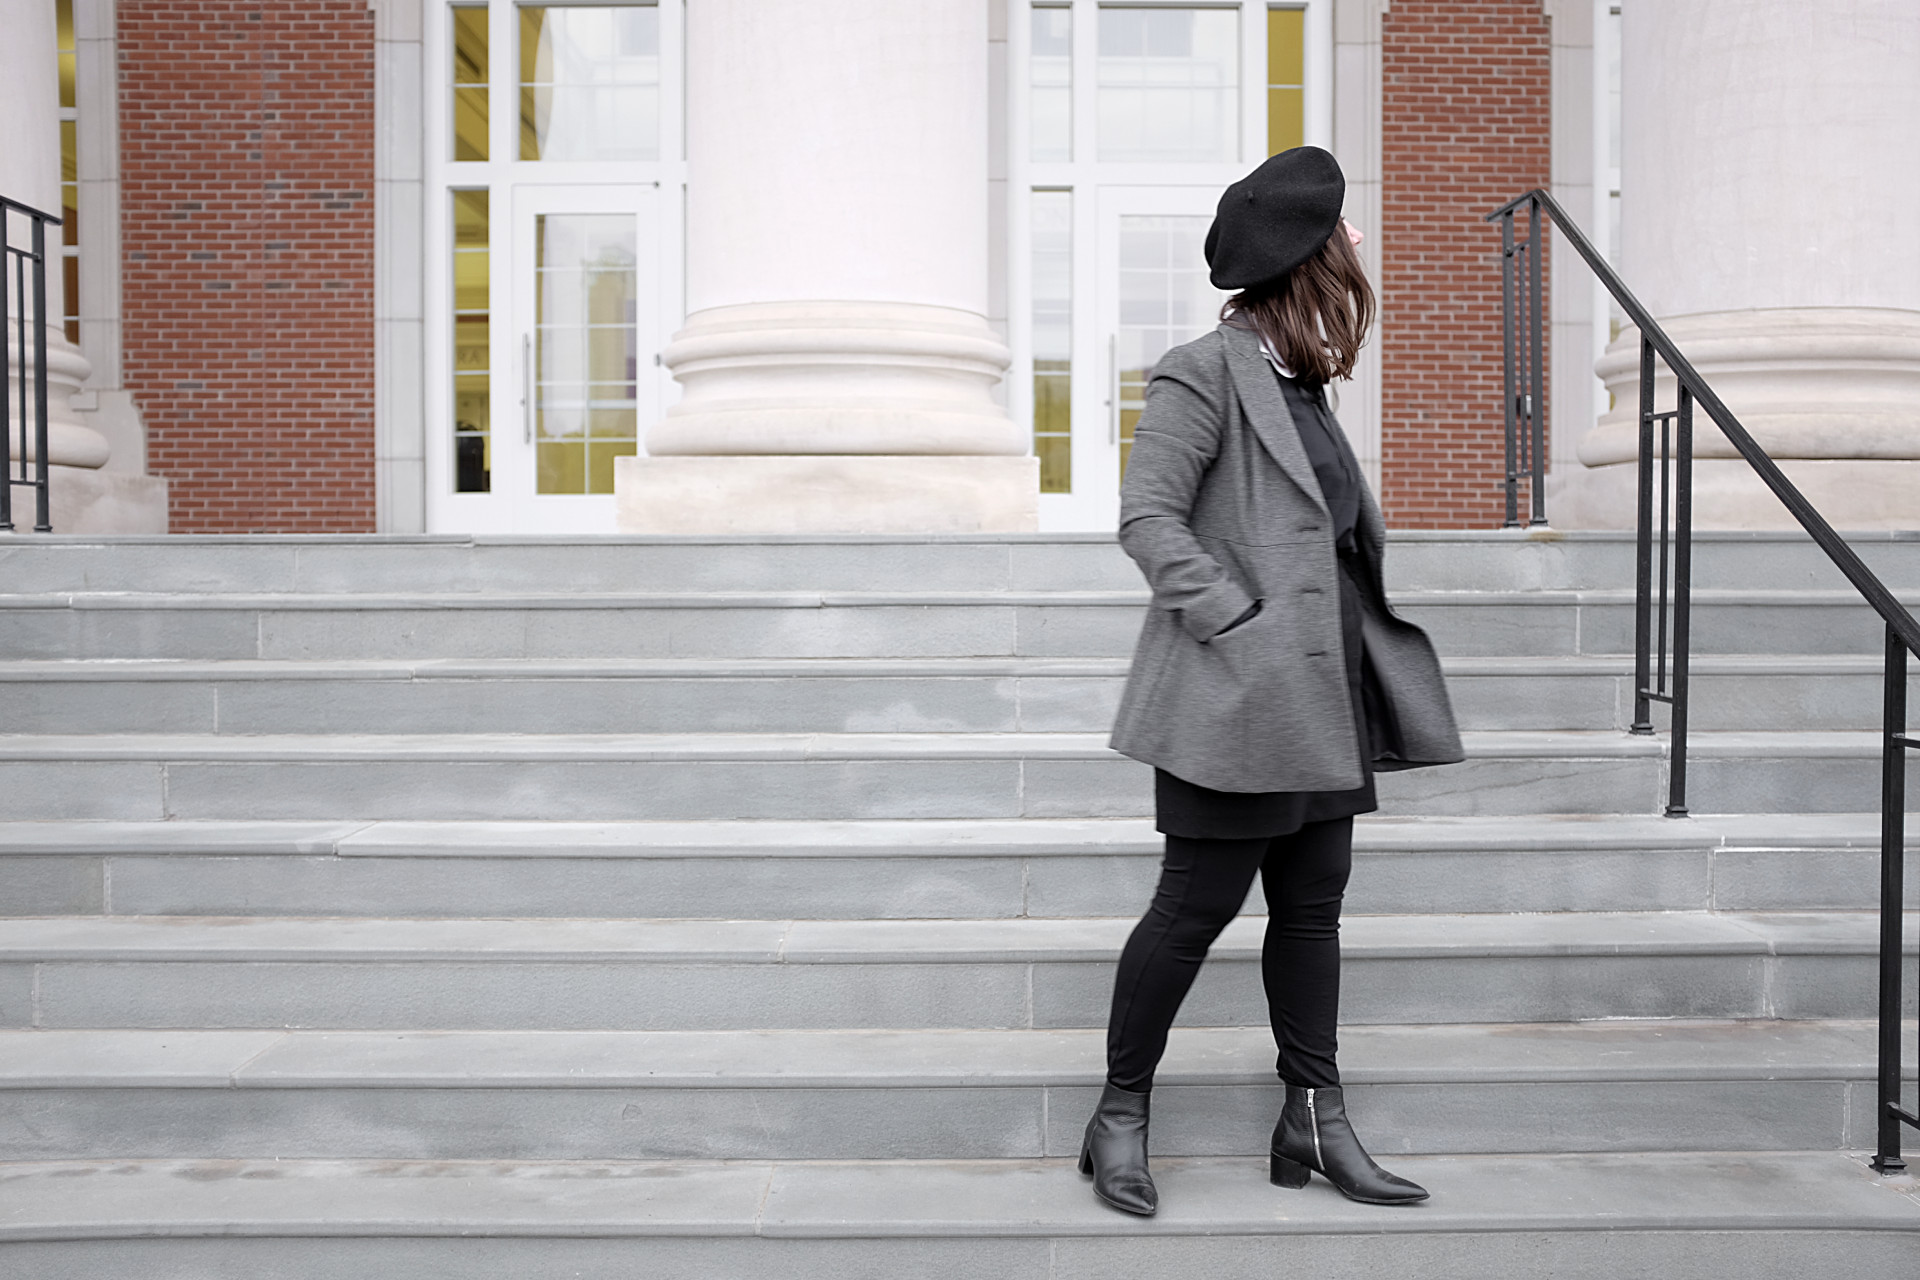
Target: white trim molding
{"x":400,"y":479}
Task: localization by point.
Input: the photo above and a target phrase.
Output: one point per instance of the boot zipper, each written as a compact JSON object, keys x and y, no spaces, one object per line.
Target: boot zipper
{"x":1313,"y":1121}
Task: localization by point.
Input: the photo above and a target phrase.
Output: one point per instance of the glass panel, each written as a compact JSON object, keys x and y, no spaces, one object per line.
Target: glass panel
{"x":69,"y":233}
{"x":1286,"y":79}
{"x":1168,"y":82}
{"x":1053,"y":339}
{"x":470,"y":82}
{"x":69,"y":184}
{"x":589,"y":82}
{"x":71,"y":268}
{"x":1051,"y":77}
{"x":1165,"y":300}
{"x":63,"y":25}
{"x":472,"y":332}
{"x":587,"y":363}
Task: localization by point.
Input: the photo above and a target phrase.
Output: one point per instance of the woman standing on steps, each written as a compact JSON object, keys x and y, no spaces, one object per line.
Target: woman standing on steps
{"x":1271,"y":679}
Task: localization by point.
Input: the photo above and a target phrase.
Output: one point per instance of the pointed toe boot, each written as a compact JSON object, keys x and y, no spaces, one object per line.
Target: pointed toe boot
{"x":1314,"y":1136}
{"x":1115,"y":1152}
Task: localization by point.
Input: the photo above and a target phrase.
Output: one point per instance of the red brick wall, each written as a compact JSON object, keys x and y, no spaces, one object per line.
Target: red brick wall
{"x":246,"y":163}
{"x":1464,"y":128}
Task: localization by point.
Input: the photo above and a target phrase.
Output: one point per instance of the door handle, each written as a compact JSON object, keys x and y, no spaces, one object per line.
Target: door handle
{"x":526,"y":387}
{"x":1113,"y":389}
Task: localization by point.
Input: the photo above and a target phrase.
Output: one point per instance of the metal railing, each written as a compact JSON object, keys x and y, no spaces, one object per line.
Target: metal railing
{"x":23,"y":312}
{"x":1524,"y":387}
{"x":1660,"y":674}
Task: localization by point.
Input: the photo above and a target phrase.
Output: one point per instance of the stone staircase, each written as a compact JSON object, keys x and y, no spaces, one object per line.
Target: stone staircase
{"x":533,"y":908}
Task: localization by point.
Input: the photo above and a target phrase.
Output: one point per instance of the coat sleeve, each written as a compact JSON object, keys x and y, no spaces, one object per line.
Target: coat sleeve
{"x":1177,"y":439}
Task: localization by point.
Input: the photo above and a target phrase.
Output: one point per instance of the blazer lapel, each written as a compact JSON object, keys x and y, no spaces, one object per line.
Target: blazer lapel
{"x":1266,"y":409}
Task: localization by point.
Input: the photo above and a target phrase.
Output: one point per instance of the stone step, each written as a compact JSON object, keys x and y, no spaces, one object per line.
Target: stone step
{"x":836,"y":695}
{"x":522,"y":974}
{"x":822,"y":775}
{"x":894,"y":1095}
{"x":1709,"y":1216}
{"x":298,"y":626}
{"x":909,"y":869}
{"x":1416,"y":560}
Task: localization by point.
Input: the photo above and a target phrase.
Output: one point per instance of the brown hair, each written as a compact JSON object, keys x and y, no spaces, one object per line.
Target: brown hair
{"x":1316,"y":316}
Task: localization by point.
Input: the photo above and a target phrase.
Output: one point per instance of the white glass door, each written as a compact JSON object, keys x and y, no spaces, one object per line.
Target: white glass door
{"x":1151,"y":294}
{"x":582,"y":381}
{"x":553,"y":277}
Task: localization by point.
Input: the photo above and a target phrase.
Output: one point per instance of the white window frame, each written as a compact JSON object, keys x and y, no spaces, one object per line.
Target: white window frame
{"x":501,"y":174}
{"x":1086,"y":175}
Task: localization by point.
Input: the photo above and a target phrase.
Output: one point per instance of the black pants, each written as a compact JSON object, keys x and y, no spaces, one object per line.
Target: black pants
{"x":1202,"y":886}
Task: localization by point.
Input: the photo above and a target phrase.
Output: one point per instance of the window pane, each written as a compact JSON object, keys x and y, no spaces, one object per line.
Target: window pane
{"x":1165,"y":300}
{"x":589,"y":82}
{"x":470,"y":82}
{"x":1286,"y":79}
{"x":1052,"y":219}
{"x":472,"y":333}
{"x":1168,"y":81}
{"x":1051,"y":78}
{"x":587,"y":359}
{"x":65,"y":51}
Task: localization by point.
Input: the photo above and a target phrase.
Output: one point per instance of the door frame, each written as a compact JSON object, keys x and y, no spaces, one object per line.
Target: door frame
{"x":1095,"y":501}
{"x":505,"y":178}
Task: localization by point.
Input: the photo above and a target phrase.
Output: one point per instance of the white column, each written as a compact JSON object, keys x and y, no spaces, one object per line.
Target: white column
{"x":1770,"y":220}
{"x":84,"y":498}
{"x":30,"y":173}
{"x":837,"y":366}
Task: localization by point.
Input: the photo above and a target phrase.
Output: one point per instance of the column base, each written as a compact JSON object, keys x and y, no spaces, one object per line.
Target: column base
{"x":826,"y":493}
{"x":85,"y":501}
{"x":1854,"y":494}
{"x":106,"y":502}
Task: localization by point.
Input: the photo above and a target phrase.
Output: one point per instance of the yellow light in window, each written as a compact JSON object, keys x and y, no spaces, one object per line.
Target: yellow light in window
{"x":472,"y":345}
{"x":470,"y":82}
{"x":1286,"y":79}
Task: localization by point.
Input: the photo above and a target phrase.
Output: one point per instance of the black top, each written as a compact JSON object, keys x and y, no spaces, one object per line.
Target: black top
{"x":1327,"y":450}
{"x":1183,"y":808}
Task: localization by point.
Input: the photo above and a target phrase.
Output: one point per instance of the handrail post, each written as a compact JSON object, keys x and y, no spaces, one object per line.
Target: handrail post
{"x":1537,"y":396}
{"x":1893,"y":850}
{"x":6,"y":401}
{"x":43,"y":518}
{"x":1643,"y":555}
{"x":1509,"y":377}
{"x":1682,"y":605}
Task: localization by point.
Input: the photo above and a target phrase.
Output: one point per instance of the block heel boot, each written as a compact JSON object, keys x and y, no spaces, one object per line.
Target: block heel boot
{"x":1114,"y":1152}
{"x":1314,"y":1136}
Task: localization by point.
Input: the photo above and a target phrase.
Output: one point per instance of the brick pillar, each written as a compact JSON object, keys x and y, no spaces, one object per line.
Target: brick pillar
{"x":1464,"y":127}
{"x":247,"y":228}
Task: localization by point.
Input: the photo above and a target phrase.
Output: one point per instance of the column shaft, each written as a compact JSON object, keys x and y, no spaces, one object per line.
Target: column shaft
{"x":836,"y":366}
{"x":1770,"y":219}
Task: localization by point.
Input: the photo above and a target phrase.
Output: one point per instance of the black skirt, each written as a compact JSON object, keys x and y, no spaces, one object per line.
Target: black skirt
{"x":1183,"y":808}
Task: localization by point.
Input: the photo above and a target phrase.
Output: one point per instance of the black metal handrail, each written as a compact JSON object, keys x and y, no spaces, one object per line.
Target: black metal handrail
{"x":1525,"y":409}
{"x":23,"y":276}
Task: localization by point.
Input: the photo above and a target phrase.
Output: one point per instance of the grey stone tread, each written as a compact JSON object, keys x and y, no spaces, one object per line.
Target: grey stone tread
{"x":1007,"y":941}
{"x":1639,"y":1051}
{"x":1489,"y":745}
{"x":117,"y":670}
{"x":314,"y":601}
{"x":433,"y":601}
{"x":972,"y":837}
{"x":1780,"y":1191}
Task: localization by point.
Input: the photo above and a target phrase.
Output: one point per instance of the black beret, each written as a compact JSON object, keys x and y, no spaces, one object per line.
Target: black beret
{"x":1275,"y":218}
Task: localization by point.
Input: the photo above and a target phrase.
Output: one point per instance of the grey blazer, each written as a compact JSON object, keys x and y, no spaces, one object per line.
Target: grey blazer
{"x":1219,"y":508}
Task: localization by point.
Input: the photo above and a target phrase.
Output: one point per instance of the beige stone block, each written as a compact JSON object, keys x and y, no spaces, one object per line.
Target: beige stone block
{"x":1853,"y":494}
{"x":822,"y":493}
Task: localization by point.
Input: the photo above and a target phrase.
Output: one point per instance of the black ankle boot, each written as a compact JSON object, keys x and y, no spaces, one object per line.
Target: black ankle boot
{"x":1313,"y":1134}
{"x":1115,"y":1152}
